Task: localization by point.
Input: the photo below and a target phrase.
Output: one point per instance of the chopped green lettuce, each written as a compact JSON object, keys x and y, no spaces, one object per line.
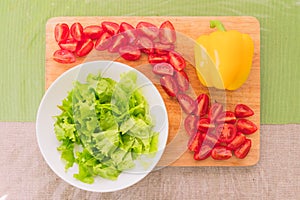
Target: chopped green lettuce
{"x":111,"y":123}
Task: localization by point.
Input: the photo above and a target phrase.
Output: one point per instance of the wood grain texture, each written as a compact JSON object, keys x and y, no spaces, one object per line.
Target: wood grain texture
{"x":188,"y":29}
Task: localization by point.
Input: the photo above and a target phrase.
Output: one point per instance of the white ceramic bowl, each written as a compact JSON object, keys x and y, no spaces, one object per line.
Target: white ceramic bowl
{"x":58,"y":91}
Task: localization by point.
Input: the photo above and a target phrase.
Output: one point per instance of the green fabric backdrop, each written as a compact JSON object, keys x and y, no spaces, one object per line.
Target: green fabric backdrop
{"x":23,"y":46}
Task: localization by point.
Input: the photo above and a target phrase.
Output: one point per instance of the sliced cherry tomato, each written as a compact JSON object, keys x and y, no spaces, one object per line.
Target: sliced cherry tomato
{"x":146,"y":45}
{"x":186,"y":103}
{"x":69,"y":44}
{"x":190,"y":124}
{"x":154,"y":58}
{"x":221,"y":153}
{"x":169,"y":85}
{"x":129,"y":32}
{"x":84,"y":48}
{"x":202,"y":105}
{"x":64,"y":56}
{"x":93,"y":32}
{"x":176,"y":60}
{"x":226,"y":117}
{"x":117,"y":42}
{"x":110,"y":27}
{"x":237,"y":141}
{"x":242,"y":110}
{"x":163,"y":49}
{"x":163,"y":69}
{"x":226,"y":132}
{"x":203,"y":152}
{"x":182,"y":80}
{"x":246,"y":126}
{"x":243,"y":150}
{"x":147,"y":29}
{"x":130,"y":53}
{"x":193,"y":144}
{"x":214,"y":111}
{"x":167,"y":34}
{"x":76,"y":31}
{"x":103,"y":42}
{"x":204,"y":125}
{"x":210,"y":139}
{"x":61,"y":32}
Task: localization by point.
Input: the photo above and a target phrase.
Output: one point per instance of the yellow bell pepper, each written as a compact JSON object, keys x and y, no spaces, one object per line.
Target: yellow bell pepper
{"x":231,"y":54}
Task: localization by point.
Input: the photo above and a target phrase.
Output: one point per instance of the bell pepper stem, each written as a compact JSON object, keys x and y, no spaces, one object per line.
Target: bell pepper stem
{"x":217,"y":24}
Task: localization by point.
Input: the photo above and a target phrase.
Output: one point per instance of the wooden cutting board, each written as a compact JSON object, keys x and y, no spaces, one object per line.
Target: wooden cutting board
{"x":188,"y":29}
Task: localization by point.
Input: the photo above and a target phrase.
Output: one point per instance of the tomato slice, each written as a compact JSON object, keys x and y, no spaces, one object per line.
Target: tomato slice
{"x":190,"y":124}
{"x":69,"y":44}
{"x":93,"y":32}
{"x":64,"y":56}
{"x":242,"y":110}
{"x":186,"y":102}
{"x":202,"y":105}
{"x":210,"y":139}
{"x":110,"y":27}
{"x":226,"y":132}
{"x":226,"y":117}
{"x":182,"y":80}
{"x":103,"y":42}
{"x":84,"y":48}
{"x":243,"y":150}
{"x":203,"y":152}
{"x":163,"y":68}
{"x":61,"y":32}
{"x":246,"y":126}
{"x":237,"y":141}
{"x":163,"y":49}
{"x":146,"y":45}
{"x":130,"y":53}
{"x":193,"y":144}
{"x":214,"y":111}
{"x":147,"y":29}
{"x":167,"y":34}
{"x":221,"y":153}
{"x":176,"y":60}
{"x":117,"y":42}
{"x":154,"y":59}
{"x":76,"y":31}
{"x":169,"y":85}
{"x":204,"y":125}
{"x":128,"y":31}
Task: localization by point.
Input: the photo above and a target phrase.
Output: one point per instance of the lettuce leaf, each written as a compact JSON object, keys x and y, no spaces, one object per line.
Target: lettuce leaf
{"x":111,"y":123}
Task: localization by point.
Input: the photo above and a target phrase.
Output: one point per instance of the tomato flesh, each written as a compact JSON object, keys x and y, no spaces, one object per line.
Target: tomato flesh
{"x":226,"y":132}
{"x":190,"y":124}
{"x":182,"y":80}
{"x":246,"y":126}
{"x":237,"y":141}
{"x":154,"y":58}
{"x":69,"y":44}
{"x":214,"y":111}
{"x":167,"y":34}
{"x":226,"y":117}
{"x":61,"y":32}
{"x":242,"y":110}
{"x":103,"y":42}
{"x":163,"y":68}
{"x":76,"y":31}
{"x":84,"y":48}
{"x":64,"y":56}
{"x":186,"y":102}
{"x":202,"y":105}
{"x":169,"y":85}
{"x":243,"y":150}
{"x":93,"y":32}
{"x":221,"y":153}
{"x":176,"y":60}
{"x":203,"y":152}
{"x":130,"y":53}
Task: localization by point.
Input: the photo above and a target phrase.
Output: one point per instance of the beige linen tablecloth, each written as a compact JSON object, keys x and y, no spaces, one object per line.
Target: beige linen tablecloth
{"x":25,"y":175}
